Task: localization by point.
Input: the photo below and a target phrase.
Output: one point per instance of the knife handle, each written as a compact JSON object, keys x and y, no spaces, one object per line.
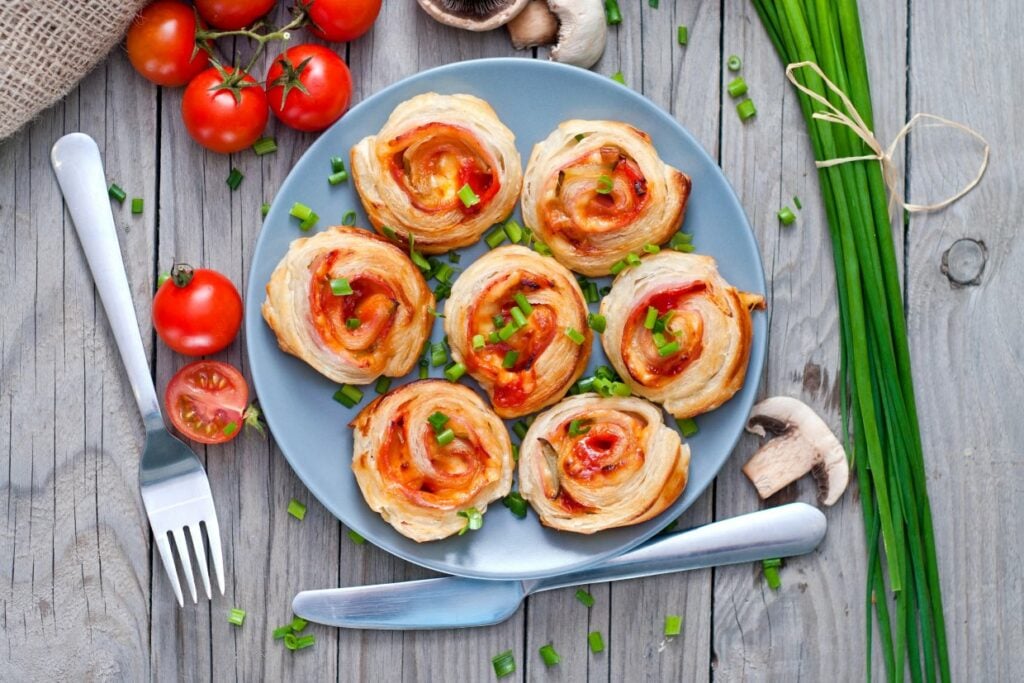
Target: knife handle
{"x":782,"y":531}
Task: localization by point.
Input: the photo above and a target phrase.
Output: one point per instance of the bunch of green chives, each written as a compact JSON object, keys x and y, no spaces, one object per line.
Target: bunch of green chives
{"x":879,"y":412}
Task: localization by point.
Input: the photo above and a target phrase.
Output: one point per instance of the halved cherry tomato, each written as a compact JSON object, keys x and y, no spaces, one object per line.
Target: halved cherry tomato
{"x":206,"y":401}
{"x":340,"y":21}
{"x":308,"y":87}
{"x":161,"y":41}
{"x":232,"y":15}
{"x":224,"y":111}
{"x":197,"y":312}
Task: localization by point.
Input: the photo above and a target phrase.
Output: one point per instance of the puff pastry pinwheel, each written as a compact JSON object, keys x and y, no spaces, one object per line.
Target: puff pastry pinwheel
{"x":351,"y":304}
{"x":442,"y":170}
{"x":596,"y":191}
{"x":518,"y":322}
{"x":592,"y":463}
{"x":678,"y":333}
{"x":427,"y":451}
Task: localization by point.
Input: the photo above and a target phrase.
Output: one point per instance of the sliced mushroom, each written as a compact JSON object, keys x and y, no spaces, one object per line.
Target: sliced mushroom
{"x":802,"y":443}
{"x":535,"y":25}
{"x":474,"y":15}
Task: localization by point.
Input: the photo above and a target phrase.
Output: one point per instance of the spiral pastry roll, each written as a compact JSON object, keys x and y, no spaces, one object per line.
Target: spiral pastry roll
{"x":443,"y":169}
{"x":350,"y":304}
{"x":427,"y":451}
{"x":592,"y":463}
{"x":518,"y":322}
{"x":596,"y":191}
{"x":678,"y":333}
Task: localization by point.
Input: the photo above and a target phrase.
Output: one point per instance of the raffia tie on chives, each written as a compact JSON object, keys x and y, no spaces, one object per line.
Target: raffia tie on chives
{"x":851,"y":118}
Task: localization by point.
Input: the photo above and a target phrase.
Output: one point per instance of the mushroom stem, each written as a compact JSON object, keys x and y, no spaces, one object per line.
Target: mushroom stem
{"x":535,"y":25}
{"x":582,"y":31}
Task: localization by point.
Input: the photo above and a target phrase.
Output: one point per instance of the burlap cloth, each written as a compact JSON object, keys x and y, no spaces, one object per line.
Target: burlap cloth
{"x":47,"y":46}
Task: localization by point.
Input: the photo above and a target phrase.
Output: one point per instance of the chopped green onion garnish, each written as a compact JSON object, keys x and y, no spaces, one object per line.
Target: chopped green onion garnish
{"x":309,"y":222}
{"x":353,"y":323}
{"x":235,"y":178}
{"x":300,"y":211}
{"x":579,"y":137}
{"x":438,"y":356}
{"x":337,"y":178}
{"x":281,"y":631}
{"x":619,"y":78}
{"x":687,"y":426}
{"x":796,"y":200}
{"x":606,"y":290}
{"x":495,"y":237}
{"x":659,"y":338}
{"x":264,"y":146}
{"x":575,"y":335}
{"x":348,"y":396}
{"x":438,"y":420}
{"x":673,"y":625}
{"x":474,"y":520}
{"x":337,"y":164}
{"x":523,"y":304}
{"x":509,"y":361}
{"x":456,"y":371}
{"x":517,"y":316}
{"x":389,"y":232}
{"x":590,"y":292}
{"x":296,"y":509}
{"x":236,"y":616}
{"x":653,"y":3}
{"x":504,"y":664}
{"x":681,"y":240}
{"x":520,"y":428}
{"x":416,"y":257}
{"x":605,"y":372}
{"x":341,"y":287}
{"x":349,"y":218}
{"x":683,"y":35}
{"x":668,"y":349}
{"x":443,"y":272}
{"x":498,"y":319}
{"x":597,"y":322}
{"x":596,"y":642}
{"x":541,"y":248}
{"x":304,"y":642}
{"x":298,"y":624}
{"x":746,"y":110}
{"x":382,"y":385}
{"x":651,"y":248}
{"x":605,"y":184}
{"x":651,"y":317}
{"x":424,"y":372}
{"x":771,"y":572}
{"x":515,"y":502}
{"x":514,"y":231}
{"x":632,"y":259}
{"x":515,"y":457}
{"x":507,"y":331}
{"x":136,"y":205}
{"x":446,"y":437}
{"x":454,"y":257}
{"x":478,"y":341}
{"x":617,"y":267}
{"x":493,"y":338}
{"x":230,"y":428}
{"x":548,"y":654}
{"x":734,"y":63}
{"x":468,"y":197}
{"x":577,"y":428}
{"x":620,"y":389}
{"x":291,"y":641}
{"x":612,"y":14}
{"x":117,"y":193}
{"x":585,"y":597}
{"x":162,"y":278}
{"x":737,"y":87}
{"x":355,"y":537}
{"x":786,"y":216}
{"x":265,"y":209}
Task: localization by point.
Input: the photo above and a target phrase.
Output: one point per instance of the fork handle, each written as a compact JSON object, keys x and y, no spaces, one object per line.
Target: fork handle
{"x":76,"y":161}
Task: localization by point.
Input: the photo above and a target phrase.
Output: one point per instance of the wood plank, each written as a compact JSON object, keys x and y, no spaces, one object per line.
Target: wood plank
{"x":965,"y":342}
{"x":75,"y":543}
{"x":760,"y":634}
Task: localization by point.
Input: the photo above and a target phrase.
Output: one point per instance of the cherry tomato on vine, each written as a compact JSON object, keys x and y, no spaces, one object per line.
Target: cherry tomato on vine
{"x":161,"y":41}
{"x":207,"y":402}
{"x":231,"y":15}
{"x":308,"y":87}
{"x":340,"y":21}
{"x":197,"y":312}
{"x":224,"y":110}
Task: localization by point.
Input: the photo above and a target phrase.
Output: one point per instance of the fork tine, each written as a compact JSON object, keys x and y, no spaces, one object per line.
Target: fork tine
{"x":164,"y":546}
{"x":213,"y":533}
{"x":186,"y":562}
{"x":196,"y":534}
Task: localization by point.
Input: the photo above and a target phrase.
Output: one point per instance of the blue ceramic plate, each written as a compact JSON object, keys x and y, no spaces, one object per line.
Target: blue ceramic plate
{"x":532,"y":97}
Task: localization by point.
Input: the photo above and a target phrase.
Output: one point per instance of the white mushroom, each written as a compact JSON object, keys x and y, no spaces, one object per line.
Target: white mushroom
{"x":474,"y":15}
{"x":582,"y":29}
{"x":802,"y":443}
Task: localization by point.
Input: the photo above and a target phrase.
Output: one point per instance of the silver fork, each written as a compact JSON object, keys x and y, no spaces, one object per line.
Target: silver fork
{"x":175,"y":489}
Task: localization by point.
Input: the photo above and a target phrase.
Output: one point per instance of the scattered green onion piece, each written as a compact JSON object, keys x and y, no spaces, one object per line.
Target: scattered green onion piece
{"x":438,"y":420}
{"x":424,"y":372}
{"x":514,"y":231}
{"x":162,"y":278}
{"x":541,"y":248}
{"x":661,"y":324}
{"x":478,"y":341}
{"x":281,"y":631}
{"x":467,"y":196}
{"x":474,"y":520}
{"x":668,"y":349}
{"x":349,"y":218}
{"x":517,"y":316}
{"x":298,"y":624}
{"x":605,"y":184}
{"x":786,"y":216}
{"x":337,"y":178}
{"x":547,"y":653}
{"x":585,"y":385}
{"x":796,"y":200}
{"x":590,"y":293}
{"x":236,"y":616}
{"x":509,"y":361}
{"x":516,"y":503}
{"x":117,"y":193}
{"x":456,"y":371}
{"x":300,"y":211}
{"x":653,"y":3}
{"x":389,"y":232}
{"x":504,"y":664}
{"x":515,"y":458}
{"x":673,"y":625}
{"x":523,"y":304}
{"x":651,"y":248}
{"x":597,"y":322}
{"x":612,"y":14}
{"x":382,"y":385}
{"x":620,"y":389}
{"x":355,"y":537}
{"x":454,"y":257}
{"x":586,"y":598}
{"x":442,"y":291}
{"x":309,"y":222}
{"x":596,"y":642}
{"x":619,"y":78}
{"x":305,"y":641}
{"x":416,"y":257}
{"x":235,"y":178}
{"x":686,"y":248}
{"x":680,"y":238}
{"x":265,"y":209}
{"x":606,"y":290}
{"x":605,"y":372}
{"x":737,"y":87}
{"x":579,"y":137}
{"x":578,"y":428}
{"x":770,"y":568}
{"x":687,"y":426}
{"x":734,"y":63}
{"x":337,"y":164}
{"x":446,"y":437}
{"x":353,"y":323}
{"x":651,"y":317}
{"x":230,"y":428}
{"x":746,"y":110}
{"x":291,"y":641}
{"x":507,"y":331}
{"x":495,"y":237}
{"x":683,"y":35}
{"x":296,"y":509}
{"x":341,"y":287}
{"x":632,"y":259}
{"x":618,"y":267}
{"x":520,"y":428}
{"x":493,"y":338}
{"x":574,"y":335}
{"x":438,"y":355}
{"x":498,"y":319}
{"x":659,"y":338}
{"x":348,"y":396}
{"x":264,"y":146}
{"x":136,"y":205}
{"x":443,"y":272}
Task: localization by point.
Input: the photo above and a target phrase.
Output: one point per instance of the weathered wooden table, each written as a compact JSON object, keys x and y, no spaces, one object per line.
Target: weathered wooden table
{"x":83,"y":596}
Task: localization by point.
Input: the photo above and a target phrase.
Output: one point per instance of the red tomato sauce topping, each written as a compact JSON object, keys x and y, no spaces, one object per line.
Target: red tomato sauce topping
{"x":372,"y":301}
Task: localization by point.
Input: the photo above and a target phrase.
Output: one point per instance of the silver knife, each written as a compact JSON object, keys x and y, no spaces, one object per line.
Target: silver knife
{"x":457,"y":602}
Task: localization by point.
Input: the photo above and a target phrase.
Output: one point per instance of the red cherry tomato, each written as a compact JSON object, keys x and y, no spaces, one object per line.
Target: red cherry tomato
{"x":215,"y":118}
{"x":340,"y":21}
{"x":161,"y":41}
{"x":232,"y":15}
{"x":206,"y":401}
{"x":326,"y":87}
{"x":197,"y":312}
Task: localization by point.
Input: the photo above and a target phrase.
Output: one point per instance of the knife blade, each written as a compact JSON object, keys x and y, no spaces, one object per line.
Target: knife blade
{"x":458,"y":602}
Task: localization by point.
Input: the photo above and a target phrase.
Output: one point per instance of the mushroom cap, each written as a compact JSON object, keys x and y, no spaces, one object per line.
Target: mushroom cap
{"x":535,"y":25}
{"x":473,"y":15}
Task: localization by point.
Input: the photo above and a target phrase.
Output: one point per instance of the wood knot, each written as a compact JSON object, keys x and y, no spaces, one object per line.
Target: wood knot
{"x":964,"y":262}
